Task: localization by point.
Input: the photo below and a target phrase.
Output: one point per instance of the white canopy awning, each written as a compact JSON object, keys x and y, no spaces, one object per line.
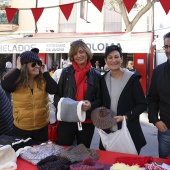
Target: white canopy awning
{"x":60,"y":43}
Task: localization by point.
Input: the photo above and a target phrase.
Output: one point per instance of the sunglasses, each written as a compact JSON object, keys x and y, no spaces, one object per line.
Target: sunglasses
{"x":39,"y":63}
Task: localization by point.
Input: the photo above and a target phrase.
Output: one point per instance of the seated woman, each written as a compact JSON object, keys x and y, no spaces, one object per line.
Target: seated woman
{"x":6,"y":118}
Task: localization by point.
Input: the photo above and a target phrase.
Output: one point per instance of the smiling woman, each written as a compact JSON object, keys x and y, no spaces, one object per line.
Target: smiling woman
{"x":30,"y":84}
{"x":80,"y":82}
{"x":123,"y":94}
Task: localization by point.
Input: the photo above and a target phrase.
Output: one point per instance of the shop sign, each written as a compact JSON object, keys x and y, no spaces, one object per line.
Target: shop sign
{"x":63,"y":47}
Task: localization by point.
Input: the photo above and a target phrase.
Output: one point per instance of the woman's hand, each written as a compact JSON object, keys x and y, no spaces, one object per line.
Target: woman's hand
{"x":19,"y":63}
{"x":43,"y":68}
{"x":86,"y":105}
{"x":120,"y":118}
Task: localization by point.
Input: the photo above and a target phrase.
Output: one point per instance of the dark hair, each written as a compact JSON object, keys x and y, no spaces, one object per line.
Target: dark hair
{"x":74,"y":47}
{"x":111,"y":48}
{"x":167,"y":35}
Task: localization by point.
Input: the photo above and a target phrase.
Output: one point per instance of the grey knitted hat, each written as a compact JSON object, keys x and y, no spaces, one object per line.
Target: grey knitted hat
{"x":79,"y":153}
{"x":70,"y":110}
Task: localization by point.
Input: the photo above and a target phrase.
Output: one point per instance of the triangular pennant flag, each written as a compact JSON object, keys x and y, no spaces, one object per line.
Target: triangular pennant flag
{"x":37,"y":13}
{"x":129,"y":4}
{"x":10,"y":13}
{"x":166,"y":5}
{"x":66,"y":9}
{"x":98,"y":4}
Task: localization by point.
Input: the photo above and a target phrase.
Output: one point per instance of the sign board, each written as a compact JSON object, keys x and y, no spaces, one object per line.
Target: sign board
{"x":97,"y":44}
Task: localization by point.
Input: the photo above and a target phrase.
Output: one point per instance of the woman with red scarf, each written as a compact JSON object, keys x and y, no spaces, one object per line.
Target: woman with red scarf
{"x":80,"y":82}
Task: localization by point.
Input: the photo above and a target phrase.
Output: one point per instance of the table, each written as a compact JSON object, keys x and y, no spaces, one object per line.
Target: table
{"x":105,"y":157}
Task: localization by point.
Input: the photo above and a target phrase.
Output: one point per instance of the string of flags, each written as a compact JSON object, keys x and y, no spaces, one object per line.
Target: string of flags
{"x":66,"y":9}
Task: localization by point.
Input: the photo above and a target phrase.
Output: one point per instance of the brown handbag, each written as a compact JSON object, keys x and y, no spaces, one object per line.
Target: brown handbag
{"x":52,"y":132}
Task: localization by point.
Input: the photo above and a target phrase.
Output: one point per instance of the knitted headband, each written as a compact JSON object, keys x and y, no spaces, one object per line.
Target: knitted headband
{"x":29,"y":56}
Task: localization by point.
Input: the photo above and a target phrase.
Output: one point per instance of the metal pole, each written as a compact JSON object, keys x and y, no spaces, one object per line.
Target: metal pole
{"x":36,"y":29}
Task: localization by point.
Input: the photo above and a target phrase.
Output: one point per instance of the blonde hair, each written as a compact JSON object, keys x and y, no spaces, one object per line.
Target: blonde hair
{"x":74,"y":48}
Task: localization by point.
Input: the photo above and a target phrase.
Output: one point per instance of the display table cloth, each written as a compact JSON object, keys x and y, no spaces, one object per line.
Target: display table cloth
{"x":105,"y":157}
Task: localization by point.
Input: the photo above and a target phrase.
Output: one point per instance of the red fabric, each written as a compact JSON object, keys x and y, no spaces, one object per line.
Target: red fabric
{"x":169,"y":160}
{"x":87,"y":121}
{"x":66,"y":9}
{"x":98,"y":4}
{"x":166,"y":5}
{"x":129,"y":4}
{"x":80,"y":77}
{"x":37,"y":13}
{"x":52,"y":132}
{"x":10,"y":13}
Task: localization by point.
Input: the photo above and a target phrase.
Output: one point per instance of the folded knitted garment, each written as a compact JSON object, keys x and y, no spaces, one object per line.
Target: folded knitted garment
{"x":90,"y":164}
{"x":16,"y":142}
{"x":53,"y":163}
{"x":38,"y":152}
{"x":79,"y":153}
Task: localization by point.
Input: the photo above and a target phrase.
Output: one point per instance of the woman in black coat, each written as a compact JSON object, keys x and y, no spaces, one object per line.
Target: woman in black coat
{"x":122,"y":93}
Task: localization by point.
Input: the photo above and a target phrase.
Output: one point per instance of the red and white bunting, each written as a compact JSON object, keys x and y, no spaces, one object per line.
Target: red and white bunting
{"x":98,"y":4}
{"x":166,"y":5}
{"x":10,"y":13}
{"x":37,"y":13}
{"x":66,"y":9}
{"x":129,"y":4}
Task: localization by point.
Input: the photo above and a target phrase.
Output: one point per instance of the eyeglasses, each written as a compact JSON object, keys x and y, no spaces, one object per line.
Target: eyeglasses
{"x":39,"y":63}
{"x":165,"y":47}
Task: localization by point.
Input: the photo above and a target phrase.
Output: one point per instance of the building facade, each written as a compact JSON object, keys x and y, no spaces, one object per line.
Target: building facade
{"x":52,"y":33}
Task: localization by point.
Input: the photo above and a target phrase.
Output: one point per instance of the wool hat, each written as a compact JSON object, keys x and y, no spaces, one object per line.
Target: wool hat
{"x":29,"y":56}
{"x":53,"y":162}
{"x":90,"y":164}
{"x":103,"y":118}
{"x":7,"y":157}
{"x":35,"y":50}
{"x":70,"y":110}
{"x":111,"y":48}
{"x":79,"y":153}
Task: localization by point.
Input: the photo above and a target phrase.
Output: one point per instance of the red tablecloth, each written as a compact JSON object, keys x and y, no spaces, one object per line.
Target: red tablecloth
{"x":105,"y":157}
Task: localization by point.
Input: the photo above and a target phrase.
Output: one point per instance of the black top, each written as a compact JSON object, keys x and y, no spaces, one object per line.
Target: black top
{"x":8,"y":83}
{"x":131,"y":103}
{"x":159,"y":95}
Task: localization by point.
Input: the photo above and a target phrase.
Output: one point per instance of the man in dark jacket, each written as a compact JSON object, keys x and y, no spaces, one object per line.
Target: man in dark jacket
{"x":159,"y":101}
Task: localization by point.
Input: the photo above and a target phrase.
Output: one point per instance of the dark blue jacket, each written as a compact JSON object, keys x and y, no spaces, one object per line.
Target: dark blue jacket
{"x":6,"y":117}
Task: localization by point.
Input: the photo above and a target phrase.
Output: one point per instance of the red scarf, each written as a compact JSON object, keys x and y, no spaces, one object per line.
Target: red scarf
{"x":80,"y":77}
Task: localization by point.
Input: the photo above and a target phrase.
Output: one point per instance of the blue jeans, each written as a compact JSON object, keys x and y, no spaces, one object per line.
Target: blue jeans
{"x":164,"y":143}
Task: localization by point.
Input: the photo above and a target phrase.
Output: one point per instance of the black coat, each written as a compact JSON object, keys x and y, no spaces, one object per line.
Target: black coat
{"x":131,"y":103}
{"x":67,"y":87}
